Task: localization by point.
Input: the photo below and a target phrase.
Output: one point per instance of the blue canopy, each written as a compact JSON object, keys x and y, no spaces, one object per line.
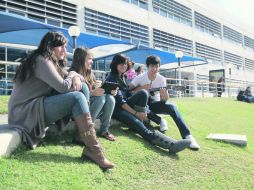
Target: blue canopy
{"x":20,"y":30}
{"x":11,"y":22}
{"x":139,"y":55}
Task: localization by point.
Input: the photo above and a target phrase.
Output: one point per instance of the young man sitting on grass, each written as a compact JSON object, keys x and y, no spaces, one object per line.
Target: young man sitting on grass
{"x":158,"y":102}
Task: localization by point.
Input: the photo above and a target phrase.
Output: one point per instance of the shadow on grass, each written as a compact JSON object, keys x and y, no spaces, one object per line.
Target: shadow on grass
{"x":65,"y":140}
{"x":36,"y":157}
{"x":124,"y":131}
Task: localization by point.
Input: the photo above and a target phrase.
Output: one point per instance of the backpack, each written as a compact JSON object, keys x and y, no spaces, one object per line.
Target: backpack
{"x":241,"y":96}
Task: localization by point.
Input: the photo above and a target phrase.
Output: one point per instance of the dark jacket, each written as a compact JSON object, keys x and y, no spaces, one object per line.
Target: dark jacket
{"x":123,"y":92}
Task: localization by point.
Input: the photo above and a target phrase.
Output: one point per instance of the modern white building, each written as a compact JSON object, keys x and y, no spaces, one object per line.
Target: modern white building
{"x":168,"y":25}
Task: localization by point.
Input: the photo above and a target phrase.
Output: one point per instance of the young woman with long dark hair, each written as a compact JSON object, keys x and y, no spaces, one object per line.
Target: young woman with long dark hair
{"x":131,"y":109}
{"x":32,"y":105}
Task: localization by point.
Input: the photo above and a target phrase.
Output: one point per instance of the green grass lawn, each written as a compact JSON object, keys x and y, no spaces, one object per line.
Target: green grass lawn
{"x":4,"y":104}
{"x":56,"y":164}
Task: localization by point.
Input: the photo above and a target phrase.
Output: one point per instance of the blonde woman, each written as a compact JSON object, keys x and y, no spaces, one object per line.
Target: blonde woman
{"x":101,"y":103}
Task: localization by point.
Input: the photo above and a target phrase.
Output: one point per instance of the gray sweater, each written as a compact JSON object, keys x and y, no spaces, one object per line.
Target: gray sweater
{"x":25,"y":109}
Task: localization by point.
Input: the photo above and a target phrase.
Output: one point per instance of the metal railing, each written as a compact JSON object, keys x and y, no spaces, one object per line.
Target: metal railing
{"x":6,"y":86}
{"x":204,"y":88}
{"x":177,"y":88}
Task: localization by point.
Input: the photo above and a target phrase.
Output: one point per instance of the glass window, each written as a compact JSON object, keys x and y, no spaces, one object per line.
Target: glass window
{"x":155,"y":9}
{"x":143,"y":5}
{"x":11,"y":69}
{"x":66,"y":25}
{"x":2,"y":71}
{"x":15,"y":55}
{"x":40,"y":19}
{"x":135,"y":2}
{"x":2,"y":53}
{"x":17,"y":13}
{"x":103,"y":33}
{"x":125,"y":39}
{"x":177,"y":18}
{"x":163,"y":13}
{"x":53,"y":22}
{"x":107,"y":63}
{"x":99,"y":65}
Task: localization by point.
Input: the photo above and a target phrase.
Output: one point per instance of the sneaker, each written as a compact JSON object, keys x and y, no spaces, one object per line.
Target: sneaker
{"x":179,"y":146}
{"x":194,"y":145}
{"x":163,"y":125}
{"x":97,"y":124}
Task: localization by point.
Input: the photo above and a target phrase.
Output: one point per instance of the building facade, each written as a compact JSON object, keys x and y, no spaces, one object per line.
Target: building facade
{"x":168,"y":25}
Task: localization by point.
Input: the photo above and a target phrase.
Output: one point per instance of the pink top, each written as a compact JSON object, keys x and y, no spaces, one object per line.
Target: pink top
{"x":131,"y":74}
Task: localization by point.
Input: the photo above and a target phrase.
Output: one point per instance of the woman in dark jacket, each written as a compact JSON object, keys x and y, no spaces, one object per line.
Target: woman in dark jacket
{"x":131,"y":109}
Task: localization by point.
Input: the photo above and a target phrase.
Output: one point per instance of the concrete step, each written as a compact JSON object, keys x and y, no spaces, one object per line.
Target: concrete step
{"x":9,"y":140}
{"x":229,"y":138}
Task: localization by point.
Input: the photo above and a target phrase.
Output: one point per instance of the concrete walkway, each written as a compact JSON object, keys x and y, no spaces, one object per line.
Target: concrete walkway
{"x":3,"y":119}
{"x":9,"y":139}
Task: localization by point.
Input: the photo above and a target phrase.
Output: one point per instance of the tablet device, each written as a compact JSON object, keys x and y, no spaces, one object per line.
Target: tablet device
{"x":108,"y":86}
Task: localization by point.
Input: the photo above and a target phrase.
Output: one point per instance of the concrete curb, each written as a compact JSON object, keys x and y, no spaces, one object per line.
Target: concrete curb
{"x":9,"y":140}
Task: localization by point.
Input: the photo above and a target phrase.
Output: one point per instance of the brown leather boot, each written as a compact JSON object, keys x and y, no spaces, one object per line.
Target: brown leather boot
{"x":92,"y":150}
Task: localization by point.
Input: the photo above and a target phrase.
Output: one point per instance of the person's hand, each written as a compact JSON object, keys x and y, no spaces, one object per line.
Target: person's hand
{"x":114,"y":92}
{"x":76,"y":83}
{"x":164,"y":94}
{"x":141,"y":115}
{"x":97,"y":92}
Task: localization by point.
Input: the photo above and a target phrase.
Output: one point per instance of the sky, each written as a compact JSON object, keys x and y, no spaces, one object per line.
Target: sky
{"x":240,"y":11}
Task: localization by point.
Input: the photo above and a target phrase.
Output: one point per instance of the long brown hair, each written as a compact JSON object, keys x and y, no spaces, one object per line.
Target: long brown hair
{"x":78,"y":65}
{"x":45,"y":49}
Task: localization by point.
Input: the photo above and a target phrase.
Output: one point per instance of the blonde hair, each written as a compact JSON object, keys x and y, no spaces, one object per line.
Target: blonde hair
{"x":79,"y":65}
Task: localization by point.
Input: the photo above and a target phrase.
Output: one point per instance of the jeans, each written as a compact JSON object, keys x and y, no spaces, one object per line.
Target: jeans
{"x":85,"y":90}
{"x":102,"y":107}
{"x":58,"y":106}
{"x":138,"y":102}
{"x":249,"y":99}
{"x":160,"y":107}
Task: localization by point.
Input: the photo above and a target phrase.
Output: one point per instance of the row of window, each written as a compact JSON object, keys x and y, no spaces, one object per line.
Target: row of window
{"x":180,"y":13}
{"x":208,"y":52}
{"x":232,"y":35}
{"x":249,"y":64}
{"x":106,"y":25}
{"x":234,"y":59}
{"x":64,"y":14}
{"x":170,"y":42}
{"x":216,"y":55}
{"x":207,"y":25}
{"x":173,"y":10}
{"x":140,"y":3}
{"x":54,"y":12}
{"x":113,"y":27}
{"x":249,"y":42}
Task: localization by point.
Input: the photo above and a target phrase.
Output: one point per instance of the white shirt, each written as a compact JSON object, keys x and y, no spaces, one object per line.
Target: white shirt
{"x":143,"y":79}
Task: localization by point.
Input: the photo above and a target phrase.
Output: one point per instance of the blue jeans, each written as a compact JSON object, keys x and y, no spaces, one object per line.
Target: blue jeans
{"x":102,"y":107}
{"x":58,"y":106}
{"x":160,"y":107}
{"x":249,"y":99}
{"x":85,"y":90}
{"x":138,"y":101}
